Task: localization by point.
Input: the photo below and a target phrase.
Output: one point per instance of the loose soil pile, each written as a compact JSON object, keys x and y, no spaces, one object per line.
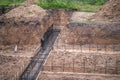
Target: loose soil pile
{"x":29,"y":23}
{"x":109,"y":12}
{"x":23,"y":14}
{"x":23,"y":25}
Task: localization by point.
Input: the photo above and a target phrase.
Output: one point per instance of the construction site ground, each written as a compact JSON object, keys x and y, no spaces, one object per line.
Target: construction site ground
{"x":13,"y":64}
{"x":65,"y":60}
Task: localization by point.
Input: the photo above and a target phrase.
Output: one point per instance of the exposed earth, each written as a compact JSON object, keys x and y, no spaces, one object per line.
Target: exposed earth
{"x":87,"y":48}
{"x":109,"y":12}
{"x":75,"y":76}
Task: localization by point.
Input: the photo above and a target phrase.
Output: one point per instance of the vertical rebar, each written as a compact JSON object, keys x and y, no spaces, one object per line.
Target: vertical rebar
{"x":113,"y":48}
{"x":117,"y":63}
{"x":84,"y":64}
{"x":89,"y":47}
{"x":57,"y":43}
{"x":52,"y":64}
{"x":81,"y":47}
{"x":106,"y":67}
{"x":63,"y":64}
{"x":97,"y":47}
{"x":105,"y":48}
{"x":94,"y":63}
{"x":73,"y":64}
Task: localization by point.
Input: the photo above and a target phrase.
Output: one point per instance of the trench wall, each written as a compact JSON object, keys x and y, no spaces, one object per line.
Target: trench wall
{"x":29,"y":30}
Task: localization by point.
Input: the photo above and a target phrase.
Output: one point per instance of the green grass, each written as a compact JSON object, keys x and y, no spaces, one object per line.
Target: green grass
{"x":88,"y":8}
{"x":10,"y":2}
{"x":93,"y":2}
{"x":82,"y":5}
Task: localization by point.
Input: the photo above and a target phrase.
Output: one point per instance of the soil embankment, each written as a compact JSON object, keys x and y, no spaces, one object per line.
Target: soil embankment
{"x":93,"y":33}
{"x":109,"y":12}
{"x":25,"y":25}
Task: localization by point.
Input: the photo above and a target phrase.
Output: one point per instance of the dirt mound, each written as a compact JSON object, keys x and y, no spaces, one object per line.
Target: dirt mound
{"x":23,"y":25}
{"x":23,"y":15}
{"x":109,"y":12}
{"x":29,"y":11}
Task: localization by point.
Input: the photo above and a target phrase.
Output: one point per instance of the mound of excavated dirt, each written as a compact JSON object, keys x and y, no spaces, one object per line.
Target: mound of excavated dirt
{"x":26,"y":12}
{"x":26,"y":25}
{"x":29,"y":15}
{"x":23,"y":25}
{"x":109,"y":12}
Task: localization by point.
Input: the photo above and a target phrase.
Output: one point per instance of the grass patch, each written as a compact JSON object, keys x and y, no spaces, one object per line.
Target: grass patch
{"x":82,"y":5}
{"x":88,"y":8}
{"x":10,"y":2}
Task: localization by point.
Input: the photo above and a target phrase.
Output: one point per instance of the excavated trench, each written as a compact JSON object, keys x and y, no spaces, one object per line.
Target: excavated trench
{"x":27,"y":29}
{"x":31,"y":31}
{"x":78,"y":55}
{"x":36,"y":65}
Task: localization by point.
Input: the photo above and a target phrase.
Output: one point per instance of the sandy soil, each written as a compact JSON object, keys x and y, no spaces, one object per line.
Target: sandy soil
{"x":81,"y":16}
{"x":23,"y":51}
{"x":76,"y":76}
